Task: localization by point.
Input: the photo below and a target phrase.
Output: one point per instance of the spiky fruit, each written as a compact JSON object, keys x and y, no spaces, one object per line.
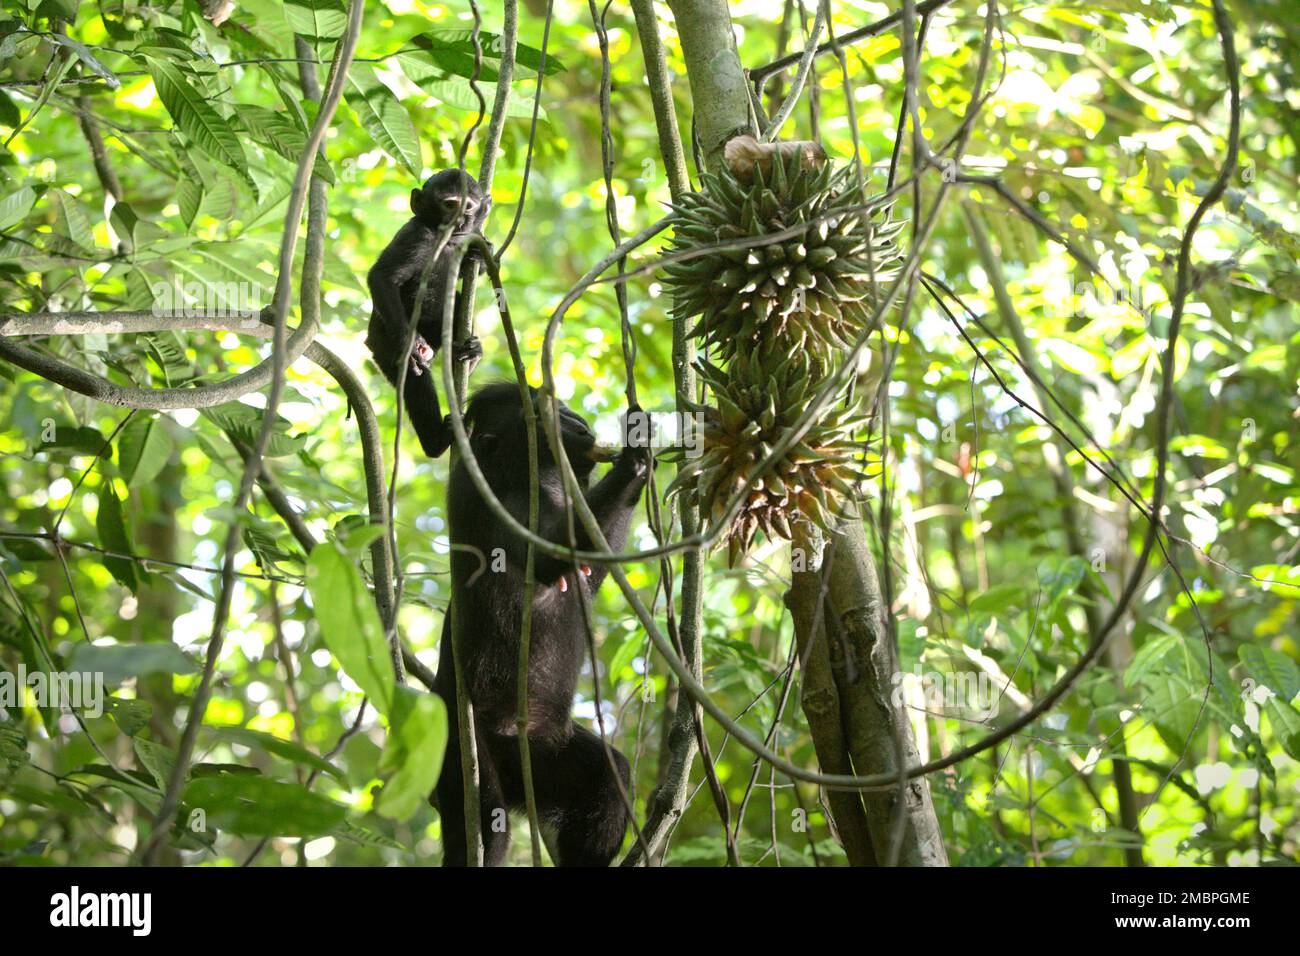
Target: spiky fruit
{"x":760,"y":398}
{"x":802,"y":264}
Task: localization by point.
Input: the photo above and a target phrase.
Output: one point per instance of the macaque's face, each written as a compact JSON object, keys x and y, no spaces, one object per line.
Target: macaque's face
{"x":450,"y":196}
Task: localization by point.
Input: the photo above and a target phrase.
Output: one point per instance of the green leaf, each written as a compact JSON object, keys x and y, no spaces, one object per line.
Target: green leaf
{"x":1275,"y":670}
{"x":189,"y":197}
{"x":81,"y":439}
{"x":1172,"y":706}
{"x":15,"y":207}
{"x":117,"y":662}
{"x":459,"y":95}
{"x":199,"y":121}
{"x":166,"y":349}
{"x":258,"y":806}
{"x":75,"y":221}
{"x":281,"y":748}
{"x":140,"y":230}
{"x":1061,"y":577}
{"x":13,"y":751}
{"x":244,"y":423}
{"x":131,"y":716}
{"x":263,"y":539}
{"x":384,"y":118}
{"x":84,"y":55}
{"x":626,"y":653}
{"x":997,"y":599}
{"x":160,"y":761}
{"x":364,"y":837}
{"x":413,"y":752}
{"x":143,"y":450}
{"x":278,"y":131}
{"x":9,"y":115}
{"x":319,"y":19}
{"x":1149,"y":658}
{"x":349,"y":623}
{"x":113,"y":536}
{"x":452,"y":51}
{"x":1286,"y":724}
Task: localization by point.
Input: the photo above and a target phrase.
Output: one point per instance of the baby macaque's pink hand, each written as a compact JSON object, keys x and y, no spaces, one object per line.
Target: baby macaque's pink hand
{"x":421,"y":355}
{"x":564,"y":584}
{"x":585,"y":569}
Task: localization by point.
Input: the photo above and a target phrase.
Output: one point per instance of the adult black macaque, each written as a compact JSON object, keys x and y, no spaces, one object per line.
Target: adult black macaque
{"x":449,"y":196}
{"x":577,"y":793}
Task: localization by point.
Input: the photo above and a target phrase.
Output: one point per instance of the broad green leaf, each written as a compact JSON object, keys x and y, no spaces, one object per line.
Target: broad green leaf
{"x":278,"y":131}
{"x":166,"y":349}
{"x":1224,"y":698}
{"x":319,"y":19}
{"x":9,"y":115}
{"x":198,"y":120}
{"x":131,"y":716}
{"x":278,"y":746}
{"x":189,"y":197}
{"x":75,"y":221}
{"x":140,"y":230}
{"x":458,"y":94}
{"x":1172,"y":706}
{"x":84,"y":55}
{"x":81,"y":439}
{"x":263,"y":539}
{"x":143,"y":450}
{"x":997,"y":599}
{"x":384,"y":118}
{"x":160,"y":761}
{"x":118,"y":662}
{"x":244,"y":423}
{"x":627,"y":652}
{"x":1286,"y":724}
{"x":258,"y":806}
{"x":349,"y":623}
{"x":1275,"y":670}
{"x":113,"y":536}
{"x":15,"y":206}
{"x":413,"y":752}
{"x":1149,"y":658}
{"x":452,"y":51}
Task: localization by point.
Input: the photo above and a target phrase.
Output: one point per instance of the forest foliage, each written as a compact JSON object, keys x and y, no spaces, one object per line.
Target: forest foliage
{"x":1104,"y":124}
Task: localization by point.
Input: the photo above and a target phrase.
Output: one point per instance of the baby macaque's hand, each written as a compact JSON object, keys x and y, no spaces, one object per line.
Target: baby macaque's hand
{"x":421,"y":355}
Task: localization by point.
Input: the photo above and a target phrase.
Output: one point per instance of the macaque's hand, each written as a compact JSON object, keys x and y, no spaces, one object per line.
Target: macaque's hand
{"x":638,"y":437}
{"x":469,"y":352}
{"x":421,"y":355}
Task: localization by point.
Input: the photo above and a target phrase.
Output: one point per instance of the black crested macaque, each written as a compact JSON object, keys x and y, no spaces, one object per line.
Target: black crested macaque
{"x":449,"y":196}
{"x":577,"y":793}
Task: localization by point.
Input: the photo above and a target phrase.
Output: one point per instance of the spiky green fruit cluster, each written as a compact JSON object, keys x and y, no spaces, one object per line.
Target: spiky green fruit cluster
{"x":760,"y":397}
{"x":803,"y":260}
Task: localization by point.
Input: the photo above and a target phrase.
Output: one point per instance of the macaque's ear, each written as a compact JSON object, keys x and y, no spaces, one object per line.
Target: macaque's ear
{"x":415,"y":202}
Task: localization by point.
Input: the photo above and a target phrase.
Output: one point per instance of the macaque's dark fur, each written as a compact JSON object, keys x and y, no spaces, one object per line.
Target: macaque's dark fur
{"x":577,"y":794}
{"x":394,"y":283}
